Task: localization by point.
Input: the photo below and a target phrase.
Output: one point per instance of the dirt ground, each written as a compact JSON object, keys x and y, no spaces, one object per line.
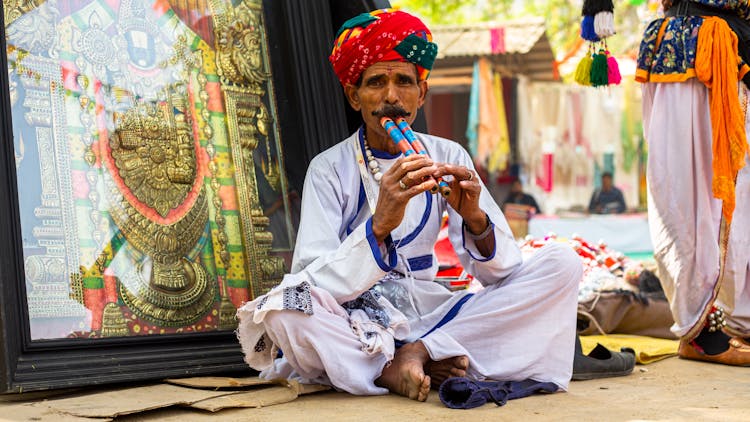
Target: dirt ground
{"x":669,"y":390}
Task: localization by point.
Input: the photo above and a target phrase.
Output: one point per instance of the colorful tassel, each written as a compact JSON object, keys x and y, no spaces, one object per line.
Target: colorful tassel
{"x":599,"y":73}
{"x":583,"y":70}
{"x":588,"y":32}
{"x":613,"y":70}
{"x":604,"y":24}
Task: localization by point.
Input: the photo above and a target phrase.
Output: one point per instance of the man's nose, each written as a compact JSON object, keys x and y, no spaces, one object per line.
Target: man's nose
{"x":391,"y":93}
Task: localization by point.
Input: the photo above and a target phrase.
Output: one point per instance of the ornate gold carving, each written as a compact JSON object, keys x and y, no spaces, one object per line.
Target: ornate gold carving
{"x":154,"y":152}
{"x":227,"y":313}
{"x":244,"y":77}
{"x":239,"y":50}
{"x":113,"y":322}
{"x":177,"y":307}
{"x":76,"y":287}
{"x":270,"y":167}
{"x":155,"y":158}
{"x":272,"y":267}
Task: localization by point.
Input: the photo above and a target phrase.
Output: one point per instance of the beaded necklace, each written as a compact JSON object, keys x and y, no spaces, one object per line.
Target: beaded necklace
{"x":374,"y":169}
{"x":372,"y":163}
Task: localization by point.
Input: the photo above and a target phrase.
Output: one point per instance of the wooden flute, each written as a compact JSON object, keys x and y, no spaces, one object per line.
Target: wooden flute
{"x":407,"y":141}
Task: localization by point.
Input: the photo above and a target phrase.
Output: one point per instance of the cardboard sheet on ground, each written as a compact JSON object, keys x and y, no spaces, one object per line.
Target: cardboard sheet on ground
{"x":229,"y":382}
{"x":257,"y":398}
{"x":222,"y":382}
{"x":206,"y":393}
{"x":647,"y":349}
{"x":38,"y":411}
{"x":127,"y":401}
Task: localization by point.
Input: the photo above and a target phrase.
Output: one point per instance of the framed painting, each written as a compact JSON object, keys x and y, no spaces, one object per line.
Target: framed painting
{"x":144,"y":183}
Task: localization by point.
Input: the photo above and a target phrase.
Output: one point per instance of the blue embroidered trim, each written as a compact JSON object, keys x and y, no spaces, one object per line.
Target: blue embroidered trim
{"x":451,"y":314}
{"x":480,"y":259}
{"x":383,"y":154}
{"x":425,"y":217}
{"x":392,"y":257}
{"x":428,"y":207}
{"x":360,"y":203}
{"x":446,"y":318}
{"x":420,"y":262}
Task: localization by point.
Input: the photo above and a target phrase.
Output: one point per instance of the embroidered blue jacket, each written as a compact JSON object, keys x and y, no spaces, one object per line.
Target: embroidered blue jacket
{"x":668,"y":49}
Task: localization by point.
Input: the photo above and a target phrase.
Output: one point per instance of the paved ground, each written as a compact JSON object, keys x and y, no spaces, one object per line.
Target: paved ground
{"x":669,"y":390}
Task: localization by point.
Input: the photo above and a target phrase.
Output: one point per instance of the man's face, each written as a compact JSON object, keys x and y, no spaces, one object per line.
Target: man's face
{"x":606,"y":183}
{"x":516,"y":187}
{"x":387,"y":87}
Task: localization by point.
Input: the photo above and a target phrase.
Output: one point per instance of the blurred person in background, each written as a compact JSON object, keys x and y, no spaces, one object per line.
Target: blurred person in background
{"x":518,"y":196}
{"x":607,"y":199}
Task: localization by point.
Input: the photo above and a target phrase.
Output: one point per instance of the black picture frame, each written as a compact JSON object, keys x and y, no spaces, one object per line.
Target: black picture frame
{"x":311,"y":119}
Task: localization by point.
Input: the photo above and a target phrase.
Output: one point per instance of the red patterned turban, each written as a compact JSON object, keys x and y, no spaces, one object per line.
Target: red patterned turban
{"x":380,"y":36}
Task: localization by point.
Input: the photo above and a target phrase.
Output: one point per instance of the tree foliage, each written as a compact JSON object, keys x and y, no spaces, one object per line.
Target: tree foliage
{"x":562,"y":17}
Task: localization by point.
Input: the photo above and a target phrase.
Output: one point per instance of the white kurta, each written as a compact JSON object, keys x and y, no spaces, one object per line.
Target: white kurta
{"x":522,"y":325}
{"x":685,"y":218}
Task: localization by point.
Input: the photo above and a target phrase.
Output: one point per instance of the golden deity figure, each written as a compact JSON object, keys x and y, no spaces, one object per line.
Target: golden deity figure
{"x":159,"y":204}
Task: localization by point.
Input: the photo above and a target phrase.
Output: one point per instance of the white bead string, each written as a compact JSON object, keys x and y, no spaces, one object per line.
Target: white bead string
{"x":372,"y":163}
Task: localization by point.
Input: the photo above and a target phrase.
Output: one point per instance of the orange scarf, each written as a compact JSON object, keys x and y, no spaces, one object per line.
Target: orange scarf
{"x":716,"y":65}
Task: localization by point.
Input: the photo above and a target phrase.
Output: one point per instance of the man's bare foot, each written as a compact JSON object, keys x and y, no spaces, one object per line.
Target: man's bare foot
{"x":405,"y":374}
{"x":441,"y":370}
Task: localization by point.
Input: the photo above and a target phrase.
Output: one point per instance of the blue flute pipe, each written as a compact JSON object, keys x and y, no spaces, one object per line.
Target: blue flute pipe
{"x":403,"y":125}
{"x":397,"y":137}
{"x":400,"y":139}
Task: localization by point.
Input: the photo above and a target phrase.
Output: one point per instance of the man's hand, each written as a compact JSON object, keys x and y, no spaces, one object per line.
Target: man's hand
{"x":464,"y":197}
{"x":403,"y":181}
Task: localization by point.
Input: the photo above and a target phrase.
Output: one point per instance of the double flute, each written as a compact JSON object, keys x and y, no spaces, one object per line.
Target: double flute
{"x":407,"y":141}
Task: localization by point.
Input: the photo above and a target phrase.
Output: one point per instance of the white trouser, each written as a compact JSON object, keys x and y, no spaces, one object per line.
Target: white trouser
{"x":684,"y":216}
{"x":522,"y":328}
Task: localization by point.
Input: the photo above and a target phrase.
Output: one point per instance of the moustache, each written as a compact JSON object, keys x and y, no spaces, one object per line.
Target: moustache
{"x":392,"y":111}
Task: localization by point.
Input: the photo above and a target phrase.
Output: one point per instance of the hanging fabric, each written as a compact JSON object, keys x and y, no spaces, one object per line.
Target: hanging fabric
{"x":488,"y":129}
{"x":499,"y":156}
{"x":472,"y":124}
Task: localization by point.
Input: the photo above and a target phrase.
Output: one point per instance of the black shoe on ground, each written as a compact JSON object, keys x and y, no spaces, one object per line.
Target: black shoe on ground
{"x":602,"y":362}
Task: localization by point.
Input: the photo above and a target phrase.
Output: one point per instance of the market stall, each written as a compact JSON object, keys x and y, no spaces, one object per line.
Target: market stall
{"x":627,"y":233}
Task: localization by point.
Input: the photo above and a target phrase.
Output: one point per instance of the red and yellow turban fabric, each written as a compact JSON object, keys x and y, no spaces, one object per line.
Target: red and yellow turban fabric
{"x":379,"y":36}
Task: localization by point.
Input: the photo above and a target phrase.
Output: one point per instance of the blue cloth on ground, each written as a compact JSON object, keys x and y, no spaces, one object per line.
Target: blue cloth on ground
{"x":463,"y":393}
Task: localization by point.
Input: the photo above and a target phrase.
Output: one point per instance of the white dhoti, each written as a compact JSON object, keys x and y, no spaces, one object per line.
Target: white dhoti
{"x":684,"y":217}
{"x":522,"y":328}
{"x":335,"y":317}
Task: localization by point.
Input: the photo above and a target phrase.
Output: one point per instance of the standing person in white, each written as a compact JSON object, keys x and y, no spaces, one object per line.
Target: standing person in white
{"x":695,"y":119}
{"x":364,"y":264}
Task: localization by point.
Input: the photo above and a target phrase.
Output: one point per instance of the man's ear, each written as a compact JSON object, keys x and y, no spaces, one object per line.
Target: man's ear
{"x":423,"y":88}
{"x":352,"y":95}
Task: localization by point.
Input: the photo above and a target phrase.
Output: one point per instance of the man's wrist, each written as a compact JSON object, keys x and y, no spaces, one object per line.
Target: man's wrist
{"x":478,"y":227}
{"x":379,"y":234}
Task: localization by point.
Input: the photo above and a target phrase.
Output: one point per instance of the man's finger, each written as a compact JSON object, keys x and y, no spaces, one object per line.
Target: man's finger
{"x":418,"y":188}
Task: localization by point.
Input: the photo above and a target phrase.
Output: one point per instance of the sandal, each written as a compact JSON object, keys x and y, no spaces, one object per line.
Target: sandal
{"x":738,"y":353}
